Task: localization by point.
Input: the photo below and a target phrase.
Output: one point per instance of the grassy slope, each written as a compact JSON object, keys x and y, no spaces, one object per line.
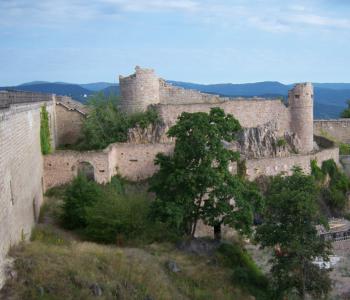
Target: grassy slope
{"x":56,"y":265}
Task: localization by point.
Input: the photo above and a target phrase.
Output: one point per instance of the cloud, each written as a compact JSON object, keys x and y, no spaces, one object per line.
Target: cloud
{"x":265,"y":15}
{"x":154,"y":5}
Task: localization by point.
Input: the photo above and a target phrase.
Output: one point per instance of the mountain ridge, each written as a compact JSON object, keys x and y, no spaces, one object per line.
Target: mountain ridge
{"x":330,"y":98}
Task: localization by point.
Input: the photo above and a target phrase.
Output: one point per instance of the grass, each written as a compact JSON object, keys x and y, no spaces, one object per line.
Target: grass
{"x":54,"y":267}
{"x":57,"y":264}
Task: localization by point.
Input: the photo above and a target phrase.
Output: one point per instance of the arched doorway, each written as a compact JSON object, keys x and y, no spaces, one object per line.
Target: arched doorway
{"x":87,"y":169}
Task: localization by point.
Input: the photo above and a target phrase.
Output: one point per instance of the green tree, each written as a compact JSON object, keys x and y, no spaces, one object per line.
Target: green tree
{"x":195,"y":182}
{"x":346,"y":112}
{"x":289,"y":224}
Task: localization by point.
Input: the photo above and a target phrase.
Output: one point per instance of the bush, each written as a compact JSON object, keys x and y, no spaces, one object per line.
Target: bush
{"x":106,"y":124}
{"x":316,"y":171}
{"x":281,"y":142}
{"x":245,"y":271}
{"x":117,"y":218}
{"x":344,"y":149}
{"x":80,"y":195}
{"x":336,"y":193}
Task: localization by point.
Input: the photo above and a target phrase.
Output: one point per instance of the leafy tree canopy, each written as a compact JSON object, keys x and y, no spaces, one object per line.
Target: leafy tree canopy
{"x":195,"y":182}
{"x":289,"y":224}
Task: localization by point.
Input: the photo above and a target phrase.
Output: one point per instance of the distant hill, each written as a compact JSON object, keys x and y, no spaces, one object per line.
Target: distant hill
{"x":96,"y":86}
{"x":330,"y":98}
{"x":65,"y":89}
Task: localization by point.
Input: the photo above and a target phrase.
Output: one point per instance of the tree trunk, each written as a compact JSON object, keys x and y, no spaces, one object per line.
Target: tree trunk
{"x":217,"y":232}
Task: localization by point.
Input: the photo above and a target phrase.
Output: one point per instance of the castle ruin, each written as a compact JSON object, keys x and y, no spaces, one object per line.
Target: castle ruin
{"x":25,"y":174}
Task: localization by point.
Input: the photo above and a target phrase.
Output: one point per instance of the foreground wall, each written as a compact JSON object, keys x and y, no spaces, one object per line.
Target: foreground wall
{"x":132,"y":161}
{"x":277,"y":165}
{"x":337,"y":129}
{"x":21,"y":171}
{"x":136,"y":162}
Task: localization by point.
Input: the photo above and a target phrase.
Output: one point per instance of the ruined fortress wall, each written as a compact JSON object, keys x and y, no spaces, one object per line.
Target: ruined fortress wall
{"x":337,"y":129}
{"x":21,"y":170}
{"x":250,"y":113}
{"x":69,"y":125}
{"x":62,"y":166}
{"x":132,"y":161}
{"x":169,"y":94}
{"x":136,"y":162}
{"x":276,"y":165}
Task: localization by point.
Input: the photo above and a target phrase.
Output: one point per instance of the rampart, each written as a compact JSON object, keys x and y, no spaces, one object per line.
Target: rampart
{"x":250,"y":113}
{"x":144,"y":88}
{"x":136,"y":162}
{"x":336,"y":129}
{"x":21,"y":165}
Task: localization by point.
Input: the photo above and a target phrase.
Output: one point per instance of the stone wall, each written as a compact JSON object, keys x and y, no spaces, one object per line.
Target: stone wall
{"x":62,"y":166}
{"x":69,"y":125}
{"x":250,"y":113}
{"x":21,"y":171}
{"x":276,"y":165}
{"x":136,"y":162}
{"x":337,"y":129}
{"x":169,"y":94}
{"x":132,"y":161}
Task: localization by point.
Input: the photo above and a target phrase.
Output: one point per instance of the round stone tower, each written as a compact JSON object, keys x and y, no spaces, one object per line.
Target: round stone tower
{"x":300,"y":100}
{"x":138,"y":90}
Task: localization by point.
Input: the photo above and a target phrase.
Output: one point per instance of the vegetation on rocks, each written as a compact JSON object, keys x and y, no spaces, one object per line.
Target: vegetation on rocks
{"x":106,"y":124}
{"x":334,"y":185}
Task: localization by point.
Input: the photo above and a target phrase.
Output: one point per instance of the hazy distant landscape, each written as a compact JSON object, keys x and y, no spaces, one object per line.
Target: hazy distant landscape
{"x":330,"y":98}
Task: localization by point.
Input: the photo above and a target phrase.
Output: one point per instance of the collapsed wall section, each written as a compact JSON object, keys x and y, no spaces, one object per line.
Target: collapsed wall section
{"x":21,"y":170}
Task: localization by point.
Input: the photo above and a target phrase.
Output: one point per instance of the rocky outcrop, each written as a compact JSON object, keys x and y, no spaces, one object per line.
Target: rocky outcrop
{"x":153,"y":133}
{"x":264,"y":141}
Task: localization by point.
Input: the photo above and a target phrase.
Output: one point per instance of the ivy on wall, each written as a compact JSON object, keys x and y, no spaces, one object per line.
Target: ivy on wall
{"x":45,"y":139}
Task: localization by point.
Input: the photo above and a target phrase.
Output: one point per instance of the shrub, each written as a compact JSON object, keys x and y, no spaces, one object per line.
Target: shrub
{"x":245,"y":271}
{"x":339,"y":185}
{"x":117,"y":218}
{"x":80,"y":195}
{"x":344,"y":149}
{"x":106,"y":124}
{"x":281,"y":142}
{"x":45,"y":138}
{"x":316,"y":171}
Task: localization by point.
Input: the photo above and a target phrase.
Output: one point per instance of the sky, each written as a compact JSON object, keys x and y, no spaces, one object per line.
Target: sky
{"x":209,"y":41}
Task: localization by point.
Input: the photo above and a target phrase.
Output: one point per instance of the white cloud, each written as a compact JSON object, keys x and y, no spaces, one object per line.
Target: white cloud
{"x":265,"y":15}
{"x":154,"y":5}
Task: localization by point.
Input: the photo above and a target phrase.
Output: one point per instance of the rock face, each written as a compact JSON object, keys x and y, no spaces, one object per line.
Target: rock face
{"x":264,"y":141}
{"x":153,"y":133}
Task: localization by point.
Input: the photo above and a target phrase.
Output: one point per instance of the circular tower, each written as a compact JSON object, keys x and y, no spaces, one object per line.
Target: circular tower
{"x":138,"y":90}
{"x":300,"y":100}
